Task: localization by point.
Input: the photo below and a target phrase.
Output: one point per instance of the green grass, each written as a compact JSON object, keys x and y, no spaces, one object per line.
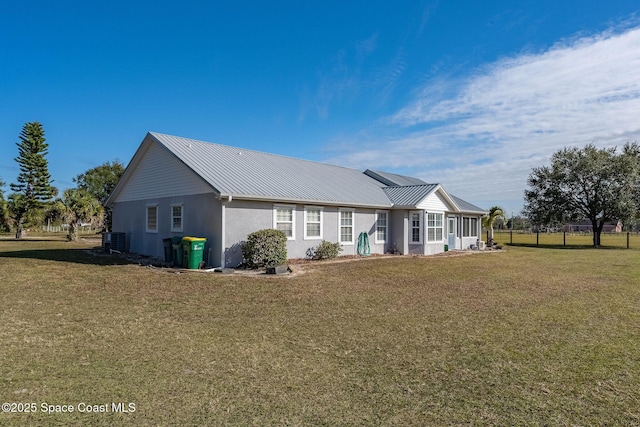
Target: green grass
{"x":568,"y":240}
{"x":529,"y":336}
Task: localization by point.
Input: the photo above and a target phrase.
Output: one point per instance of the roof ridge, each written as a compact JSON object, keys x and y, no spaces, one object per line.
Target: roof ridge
{"x":411,"y":185}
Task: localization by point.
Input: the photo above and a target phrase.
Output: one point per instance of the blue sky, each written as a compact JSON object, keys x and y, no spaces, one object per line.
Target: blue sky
{"x":465,"y":93}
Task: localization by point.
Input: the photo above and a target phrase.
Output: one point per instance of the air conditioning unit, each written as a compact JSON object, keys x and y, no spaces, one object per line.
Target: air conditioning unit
{"x":481,"y":245}
{"x":113,"y":241}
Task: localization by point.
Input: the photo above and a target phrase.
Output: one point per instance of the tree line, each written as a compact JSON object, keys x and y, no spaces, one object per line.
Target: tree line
{"x":34,"y":199}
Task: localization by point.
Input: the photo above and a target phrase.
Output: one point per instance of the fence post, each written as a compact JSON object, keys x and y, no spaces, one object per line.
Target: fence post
{"x":564,"y":238}
{"x":511,"y":237}
{"x":538,"y":238}
{"x":627,"y":240}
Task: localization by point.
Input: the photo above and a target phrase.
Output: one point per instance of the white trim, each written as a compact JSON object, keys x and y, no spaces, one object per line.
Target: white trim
{"x":313,"y":208}
{"x":386,"y":227}
{"x":171,"y":218}
{"x":146,"y":217}
{"x":293,"y":219}
{"x":420,"y":227}
{"x":353,"y":226}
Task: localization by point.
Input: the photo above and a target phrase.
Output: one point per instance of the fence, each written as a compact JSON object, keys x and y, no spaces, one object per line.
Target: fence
{"x":64,"y":228}
{"x":629,"y":240}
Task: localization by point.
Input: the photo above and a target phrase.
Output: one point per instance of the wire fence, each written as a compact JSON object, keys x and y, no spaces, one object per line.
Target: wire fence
{"x":628,"y":240}
{"x":64,"y":228}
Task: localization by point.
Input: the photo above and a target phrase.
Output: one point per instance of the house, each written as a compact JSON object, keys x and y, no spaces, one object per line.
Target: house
{"x":182,"y":187}
{"x":587,"y":227}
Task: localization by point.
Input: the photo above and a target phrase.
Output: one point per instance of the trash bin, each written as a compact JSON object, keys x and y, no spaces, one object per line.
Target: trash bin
{"x":176,"y":242}
{"x":446,"y":248}
{"x":193,"y":251}
{"x":168,"y":250}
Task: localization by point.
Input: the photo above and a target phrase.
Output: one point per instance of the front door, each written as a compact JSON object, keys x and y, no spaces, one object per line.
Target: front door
{"x":453,"y":232}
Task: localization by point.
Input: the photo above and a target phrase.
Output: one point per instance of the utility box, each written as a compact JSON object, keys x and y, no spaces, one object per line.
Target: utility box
{"x":193,"y":248}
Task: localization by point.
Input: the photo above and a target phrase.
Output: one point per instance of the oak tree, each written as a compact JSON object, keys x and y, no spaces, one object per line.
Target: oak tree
{"x":595,"y":184}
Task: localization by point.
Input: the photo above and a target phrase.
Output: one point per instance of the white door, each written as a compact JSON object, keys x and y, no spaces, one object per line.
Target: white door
{"x":453,"y":232}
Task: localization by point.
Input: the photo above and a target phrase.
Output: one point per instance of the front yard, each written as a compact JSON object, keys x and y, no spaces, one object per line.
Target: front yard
{"x":527,"y":336}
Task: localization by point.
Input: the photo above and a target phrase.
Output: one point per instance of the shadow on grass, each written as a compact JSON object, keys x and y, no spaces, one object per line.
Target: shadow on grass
{"x":78,"y":256}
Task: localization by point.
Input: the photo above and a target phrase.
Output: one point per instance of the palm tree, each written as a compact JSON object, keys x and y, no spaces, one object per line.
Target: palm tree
{"x":78,"y":205}
{"x":495,"y":213}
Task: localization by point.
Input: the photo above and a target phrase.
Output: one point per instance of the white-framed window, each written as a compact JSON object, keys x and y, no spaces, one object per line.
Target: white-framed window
{"x":176,"y":217}
{"x":382,"y":226}
{"x":345,"y":226}
{"x":415,"y":227}
{"x":435,"y":224}
{"x":284,"y":219}
{"x":312,"y":223}
{"x":152,"y":218}
{"x":469,"y":227}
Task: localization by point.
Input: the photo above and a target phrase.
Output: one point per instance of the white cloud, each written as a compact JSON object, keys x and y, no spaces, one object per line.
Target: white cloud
{"x":481,"y":137}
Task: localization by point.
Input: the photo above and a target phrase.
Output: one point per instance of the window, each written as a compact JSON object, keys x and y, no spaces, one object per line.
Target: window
{"x":381,"y":226}
{"x":312,"y":223}
{"x":284,"y":220}
{"x":474,"y":227}
{"x":434,"y":227}
{"x":346,"y":226}
{"x":176,"y":217}
{"x":469,"y":227}
{"x":152,"y":218}
{"x":415,"y":219}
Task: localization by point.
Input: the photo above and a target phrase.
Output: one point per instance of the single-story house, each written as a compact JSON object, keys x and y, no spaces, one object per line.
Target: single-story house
{"x":587,"y":227}
{"x":182,"y":187}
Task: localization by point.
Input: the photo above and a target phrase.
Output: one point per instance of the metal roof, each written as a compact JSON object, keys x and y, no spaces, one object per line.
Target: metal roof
{"x":413,"y":196}
{"x":409,"y":195}
{"x":392,"y":179}
{"x":255,"y":175}
{"x":466,"y":206}
{"x":252,"y":174}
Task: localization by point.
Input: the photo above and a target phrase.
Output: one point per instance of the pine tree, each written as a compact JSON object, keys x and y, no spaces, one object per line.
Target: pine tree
{"x":4,"y":214}
{"x":34,"y":181}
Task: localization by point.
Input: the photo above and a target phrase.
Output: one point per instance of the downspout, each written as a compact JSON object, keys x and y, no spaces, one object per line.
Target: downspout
{"x":223,"y":230}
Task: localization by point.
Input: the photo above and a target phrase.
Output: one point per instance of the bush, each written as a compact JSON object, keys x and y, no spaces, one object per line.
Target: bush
{"x":325,"y":250}
{"x":265,"y":248}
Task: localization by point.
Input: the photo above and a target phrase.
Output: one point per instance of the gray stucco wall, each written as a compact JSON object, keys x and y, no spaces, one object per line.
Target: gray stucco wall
{"x":201,"y":218}
{"x":244,"y":217}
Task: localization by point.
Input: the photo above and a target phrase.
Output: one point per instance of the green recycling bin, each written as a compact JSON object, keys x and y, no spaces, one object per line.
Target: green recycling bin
{"x":178,"y":253}
{"x":193,"y":251}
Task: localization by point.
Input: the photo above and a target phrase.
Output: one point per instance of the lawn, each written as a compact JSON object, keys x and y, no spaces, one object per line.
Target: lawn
{"x":560,"y":239}
{"x":529,"y":336}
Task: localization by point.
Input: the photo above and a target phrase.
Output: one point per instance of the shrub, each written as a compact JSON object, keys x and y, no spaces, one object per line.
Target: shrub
{"x":265,"y":248}
{"x":325,"y":250}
